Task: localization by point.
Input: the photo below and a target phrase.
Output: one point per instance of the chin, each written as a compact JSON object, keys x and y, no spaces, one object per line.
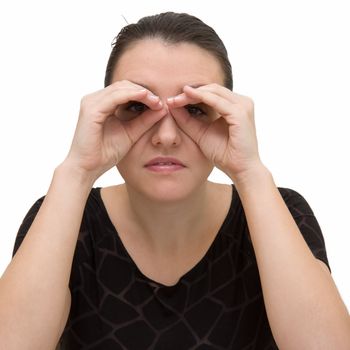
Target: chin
{"x":165,"y":188}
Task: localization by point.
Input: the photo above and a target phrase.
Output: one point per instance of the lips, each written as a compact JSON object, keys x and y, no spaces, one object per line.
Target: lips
{"x":164,"y":164}
{"x":164,"y":161}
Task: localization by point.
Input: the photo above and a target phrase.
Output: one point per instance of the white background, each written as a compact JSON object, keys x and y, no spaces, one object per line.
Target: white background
{"x":291,"y":57}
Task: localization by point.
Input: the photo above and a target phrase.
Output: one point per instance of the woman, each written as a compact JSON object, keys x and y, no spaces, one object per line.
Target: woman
{"x":169,"y":260}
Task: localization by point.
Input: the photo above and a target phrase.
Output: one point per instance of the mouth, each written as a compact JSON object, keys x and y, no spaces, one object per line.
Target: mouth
{"x":167,"y":164}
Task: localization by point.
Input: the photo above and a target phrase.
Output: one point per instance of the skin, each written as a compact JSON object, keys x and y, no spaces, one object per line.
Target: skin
{"x":150,"y":204}
{"x":158,"y":76}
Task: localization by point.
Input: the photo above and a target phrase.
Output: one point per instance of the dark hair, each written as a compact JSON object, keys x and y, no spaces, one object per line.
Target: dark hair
{"x":172,"y":28}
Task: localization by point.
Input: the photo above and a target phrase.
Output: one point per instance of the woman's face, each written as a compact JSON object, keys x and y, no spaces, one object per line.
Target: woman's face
{"x":164,"y":69}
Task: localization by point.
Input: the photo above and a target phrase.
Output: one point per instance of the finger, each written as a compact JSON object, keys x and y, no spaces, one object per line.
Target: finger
{"x":194,"y":128}
{"x":137,"y":127}
{"x":134,"y":108}
{"x":102,"y":105}
{"x":153,"y":102}
{"x":181,"y":100}
{"x":211,"y":95}
{"x":122,"y":84}
{"x":119,"y":97}
{"x":107,"y":100}
{"x":225,"y":93}
{"x":220,"y":104}
{"x":206,"y":113}
{"x":116,"y":86}
{"x":128,"y":85}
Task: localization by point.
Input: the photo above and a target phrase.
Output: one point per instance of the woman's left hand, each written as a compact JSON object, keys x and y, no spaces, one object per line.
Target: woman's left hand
{"x":225,"y":131}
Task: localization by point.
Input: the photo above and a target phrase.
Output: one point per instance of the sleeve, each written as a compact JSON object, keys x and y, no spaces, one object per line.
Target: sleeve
{"x":307,"y":223}
{"x":26,"y":223}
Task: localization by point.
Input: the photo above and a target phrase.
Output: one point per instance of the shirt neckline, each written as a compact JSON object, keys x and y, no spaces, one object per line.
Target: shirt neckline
{"x":194,"y":268}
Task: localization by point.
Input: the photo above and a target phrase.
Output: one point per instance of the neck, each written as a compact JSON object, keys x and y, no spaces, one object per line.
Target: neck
{"x":172,"y":225}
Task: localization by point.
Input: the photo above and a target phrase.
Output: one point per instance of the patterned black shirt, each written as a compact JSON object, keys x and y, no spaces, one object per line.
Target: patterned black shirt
{"x":218,"y":304}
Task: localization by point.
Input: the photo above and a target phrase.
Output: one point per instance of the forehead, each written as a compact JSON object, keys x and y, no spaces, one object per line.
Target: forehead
{"x":162,"y":65}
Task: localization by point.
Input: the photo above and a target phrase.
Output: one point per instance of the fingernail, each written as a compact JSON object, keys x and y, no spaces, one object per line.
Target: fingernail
{"x":153,"y":97}
{"x":175,"y":98}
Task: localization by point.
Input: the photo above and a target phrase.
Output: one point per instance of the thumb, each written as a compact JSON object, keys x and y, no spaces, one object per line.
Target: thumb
{"x":138,"y":126}
{"x":195,"y":129}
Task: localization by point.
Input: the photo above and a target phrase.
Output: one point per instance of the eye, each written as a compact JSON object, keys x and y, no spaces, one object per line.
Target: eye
{"x":136,"y":107}
{"x":195,"y":111}
{"x":130,"y":110}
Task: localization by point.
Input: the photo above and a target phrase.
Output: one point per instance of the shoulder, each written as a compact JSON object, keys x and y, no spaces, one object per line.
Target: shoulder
{"x":94,"y":199}
{"x":295,"y":202}
{"x":94,"y":210}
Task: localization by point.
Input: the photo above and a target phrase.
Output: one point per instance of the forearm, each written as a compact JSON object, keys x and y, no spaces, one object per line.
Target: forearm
{"x":33,"y":289}
{"x":303,"y":305}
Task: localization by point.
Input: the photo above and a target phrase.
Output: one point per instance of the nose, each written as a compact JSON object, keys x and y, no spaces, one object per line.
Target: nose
{"x":166,"y":132}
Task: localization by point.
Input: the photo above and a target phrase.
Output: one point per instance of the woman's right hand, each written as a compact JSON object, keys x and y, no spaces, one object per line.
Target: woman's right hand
{"x":107,"y":129}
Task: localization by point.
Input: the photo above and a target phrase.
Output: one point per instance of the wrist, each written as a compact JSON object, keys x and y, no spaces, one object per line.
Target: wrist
{"x":73,"y":173}
{"x":257,"y":175}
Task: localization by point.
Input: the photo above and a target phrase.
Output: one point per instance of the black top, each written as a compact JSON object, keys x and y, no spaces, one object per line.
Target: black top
{"x":218,"y":304}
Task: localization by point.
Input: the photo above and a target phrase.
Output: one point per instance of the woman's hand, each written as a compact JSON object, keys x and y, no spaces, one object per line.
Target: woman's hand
{"x":222,"y":124}
{"x":106,"y":129}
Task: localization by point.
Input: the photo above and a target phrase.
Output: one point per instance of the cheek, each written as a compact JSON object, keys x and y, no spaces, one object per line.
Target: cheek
{"x":126,"y":165}
{"x":122,"y":169}
{"x":202,"y":163}
{"x":133,"y":160}
{"x":193,"y":147}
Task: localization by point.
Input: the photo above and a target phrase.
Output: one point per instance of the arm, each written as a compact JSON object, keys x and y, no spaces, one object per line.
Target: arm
{"x":302,"y":302}
{"x":303,"y":305}
{"x":34,"y":294}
